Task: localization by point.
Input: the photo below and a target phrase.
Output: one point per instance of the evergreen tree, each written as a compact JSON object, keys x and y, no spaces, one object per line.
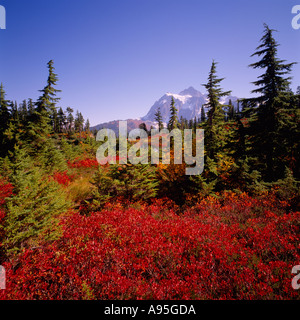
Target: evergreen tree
{"x":61,"y":120}
{"x":14,"y":111}
{"x":215,"y":133}
{"x":4,"y":121}
{"x":264,"y":115}
{"x":32,"y":212}
{"x":41,"y":146}
{"x":173,"y":122}
{"x":87,"y":125}
{"x":158,"y":119}
{"x":30,"y":106}
{"x":238,"y":111}
{"x":195,"y":124}
{"x":70,"y":119}
{"x":202,"y":118}
{"x":23,"y":112}
{"x":130,"y":182}
{"x":46,"y":104}
{"x":231,"y":113}
{"x":79,"y":122}
{"x":181,"y":122}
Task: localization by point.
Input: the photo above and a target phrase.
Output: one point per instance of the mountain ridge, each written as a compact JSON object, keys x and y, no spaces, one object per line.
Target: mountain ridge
{"x":188,"y":102}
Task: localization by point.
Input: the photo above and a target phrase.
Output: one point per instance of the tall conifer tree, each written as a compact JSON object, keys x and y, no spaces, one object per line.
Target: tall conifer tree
{"x":158,"y":119}
{"x":173,"y":122}
{"x":215,"y":133}
{"x":4,"y":120}
{"x":264,"y":109}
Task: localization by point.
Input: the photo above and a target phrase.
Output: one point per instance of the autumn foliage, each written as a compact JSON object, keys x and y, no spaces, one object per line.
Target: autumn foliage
{"x":235,"y":248}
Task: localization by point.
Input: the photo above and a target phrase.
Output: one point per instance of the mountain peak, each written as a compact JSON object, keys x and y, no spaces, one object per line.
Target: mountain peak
{"x":191,"y":91}
{"x":188,"y":102}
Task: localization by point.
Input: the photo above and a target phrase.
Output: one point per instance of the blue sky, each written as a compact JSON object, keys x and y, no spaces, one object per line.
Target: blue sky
{"x":115,"y":58}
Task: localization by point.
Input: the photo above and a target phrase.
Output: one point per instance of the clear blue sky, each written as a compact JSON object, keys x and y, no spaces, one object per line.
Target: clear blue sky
{"x":115,"y":58}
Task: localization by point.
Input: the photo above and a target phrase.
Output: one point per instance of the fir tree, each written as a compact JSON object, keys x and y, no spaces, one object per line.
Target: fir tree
{"x":264,"y":115}
{"x":79,"y":122}
{"x":231,"y":113}
{"x":46,"y":104}
{"x":87,"y":125}
{"x":41,"y":146}
{"x":4,"y":121}
{"x":61,"y":120}
{"x":130,"y":182}
{"x":173,"y":122}
{"x":14,"y":111}
{"x":23,"y":112}
{"x":158,"y":119}
{"x":215,"y":133}
{"x":202,"y":117}
{"x":70,"y":119}
{"x":195,"y":124}
{"x":181,"y":122}
{"x":32,"y":212}
{"x":30,"y":105}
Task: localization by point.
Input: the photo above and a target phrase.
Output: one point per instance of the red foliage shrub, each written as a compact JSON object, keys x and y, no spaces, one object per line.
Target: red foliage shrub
{"x":83,"y":163}
{"x":238,"y":248}
{"x":6,"y":190}
{"x":62,"y":178}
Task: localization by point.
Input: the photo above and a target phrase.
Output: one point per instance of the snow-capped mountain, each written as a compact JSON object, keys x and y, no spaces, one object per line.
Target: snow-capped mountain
{"x":188,"y":103}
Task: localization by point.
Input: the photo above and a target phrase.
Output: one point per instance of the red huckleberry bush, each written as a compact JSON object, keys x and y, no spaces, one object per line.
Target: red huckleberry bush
{"x":83,"y":163}
{"x":62,"y":178}
{"x":234,"y":248}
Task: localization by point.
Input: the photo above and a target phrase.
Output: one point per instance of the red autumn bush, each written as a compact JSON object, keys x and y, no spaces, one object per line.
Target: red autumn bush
{"x":6,"y":190}
{"x":237,"y":248}
{"x":83,"y":163}
{"x":62,"y":178}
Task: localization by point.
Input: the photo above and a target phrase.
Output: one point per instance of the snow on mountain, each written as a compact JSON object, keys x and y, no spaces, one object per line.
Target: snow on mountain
{"x":188,"y":102}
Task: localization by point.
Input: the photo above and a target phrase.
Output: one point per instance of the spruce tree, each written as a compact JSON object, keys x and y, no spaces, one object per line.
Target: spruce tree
{"x":39,"y":141}
{"x":195,"y":124}
{"x":130,"y":182}
{"x":202,"y":117}
{"x":231,"y":112}
{"x":70,"y":119}
{"x":23,"y":112}
{"x":263,"y":110}
{"x":79,"y":122}
{"x":4,"y":121}
{"x":173,"y":122}
{"x":30,"y":106}
{"x":61,"y":120}
{"x":87,"y":126}
{"x":214,"y":129}
{"x":33,"y":210}
{"x":158,"y":119}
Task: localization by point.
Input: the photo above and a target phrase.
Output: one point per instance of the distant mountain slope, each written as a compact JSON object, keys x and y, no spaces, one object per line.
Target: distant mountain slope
{"x":188,"y":102}
{"x":114,"y":125}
